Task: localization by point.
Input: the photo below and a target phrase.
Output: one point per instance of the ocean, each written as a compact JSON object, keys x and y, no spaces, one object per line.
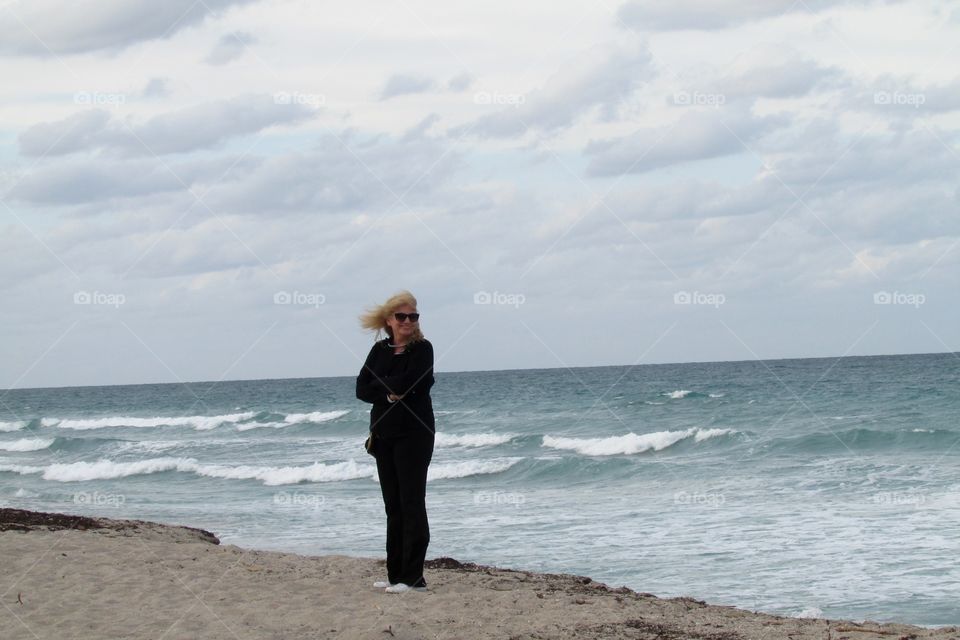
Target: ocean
{"x":812,"y":487}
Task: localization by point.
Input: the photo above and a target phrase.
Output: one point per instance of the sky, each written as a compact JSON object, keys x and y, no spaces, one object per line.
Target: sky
{"x":215,"y":190}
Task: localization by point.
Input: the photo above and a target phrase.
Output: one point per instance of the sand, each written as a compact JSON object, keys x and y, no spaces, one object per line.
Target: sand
{"x":74,"y":577}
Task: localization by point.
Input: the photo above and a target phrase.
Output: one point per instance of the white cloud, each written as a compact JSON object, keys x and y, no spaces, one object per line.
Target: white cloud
{"x":594,"y":169}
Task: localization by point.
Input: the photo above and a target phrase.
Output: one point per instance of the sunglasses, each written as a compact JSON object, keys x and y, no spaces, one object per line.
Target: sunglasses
{"x":400,"y":317}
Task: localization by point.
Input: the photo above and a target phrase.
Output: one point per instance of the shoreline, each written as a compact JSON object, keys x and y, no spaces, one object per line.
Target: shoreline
{"x":80,"y":576}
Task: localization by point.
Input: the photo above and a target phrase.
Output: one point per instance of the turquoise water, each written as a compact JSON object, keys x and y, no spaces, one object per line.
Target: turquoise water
{"x":801,"y":487}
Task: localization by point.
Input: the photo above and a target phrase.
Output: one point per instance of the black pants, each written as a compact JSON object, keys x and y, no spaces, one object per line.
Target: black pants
{"x":402,"y":466}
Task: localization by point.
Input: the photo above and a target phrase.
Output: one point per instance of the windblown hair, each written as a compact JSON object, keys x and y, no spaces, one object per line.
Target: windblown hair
{"x":375,"y":318}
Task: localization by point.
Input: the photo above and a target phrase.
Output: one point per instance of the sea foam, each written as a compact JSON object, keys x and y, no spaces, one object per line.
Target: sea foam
{"x":472,"y":439}
{"x":449,"y":470}
{"x":201,"y":423}
{"x":272,"y":476}
{"x":26,"y":444}
{"x":12,"y":426}
{"x":316,"y":416}
{"x":106,"y":469}
{"x":632,"y":442}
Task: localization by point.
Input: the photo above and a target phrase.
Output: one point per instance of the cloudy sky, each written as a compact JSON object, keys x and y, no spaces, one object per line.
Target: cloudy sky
{"x":216,"y":189}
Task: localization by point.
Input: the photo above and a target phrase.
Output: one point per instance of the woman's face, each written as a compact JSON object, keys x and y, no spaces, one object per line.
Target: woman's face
{"x":404,"y":330}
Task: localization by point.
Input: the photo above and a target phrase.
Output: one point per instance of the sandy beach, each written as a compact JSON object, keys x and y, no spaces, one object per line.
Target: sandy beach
{"x":78,"y":577}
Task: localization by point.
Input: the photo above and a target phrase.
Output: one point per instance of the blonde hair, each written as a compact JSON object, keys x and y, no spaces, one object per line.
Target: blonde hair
{"x":375,"y":318}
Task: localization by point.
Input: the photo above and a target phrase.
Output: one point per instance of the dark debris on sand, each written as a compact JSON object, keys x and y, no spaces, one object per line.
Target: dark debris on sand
{"x":24,"y":520}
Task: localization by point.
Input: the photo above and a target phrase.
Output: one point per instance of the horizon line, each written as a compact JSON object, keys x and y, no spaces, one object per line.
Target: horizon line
{"x":598,"y":366}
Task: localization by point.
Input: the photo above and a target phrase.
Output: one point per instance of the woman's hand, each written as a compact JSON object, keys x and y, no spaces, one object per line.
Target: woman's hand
{"x":392,"y":397}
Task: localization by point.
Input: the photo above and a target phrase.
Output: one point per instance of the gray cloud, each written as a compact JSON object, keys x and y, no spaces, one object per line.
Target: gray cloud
{"x":77,"y":182}
{"x":693,"y":199}
{"x":187,"y":129}
{"x":230,"y":47}
{"x":824,"y":154}
{"x":342,"y":173}
{"x":74,"y":182}
{"x":460,"y":82}
{"x":768,"y":78}
{"x":405,"y":83}
{"x":696,"y":135}
{"x":45,"y":27}
{"x":78,"y":132}
{"x":654,"y":15}
{"x":420,"y":129}
{"x":157,"y":88}
{"x":601,"y":78}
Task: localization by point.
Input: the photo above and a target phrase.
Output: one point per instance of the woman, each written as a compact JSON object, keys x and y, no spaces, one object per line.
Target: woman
{"x":396,"y":379}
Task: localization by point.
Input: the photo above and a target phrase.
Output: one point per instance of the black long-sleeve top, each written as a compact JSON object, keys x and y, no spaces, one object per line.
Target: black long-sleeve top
{"x":409,"y":374}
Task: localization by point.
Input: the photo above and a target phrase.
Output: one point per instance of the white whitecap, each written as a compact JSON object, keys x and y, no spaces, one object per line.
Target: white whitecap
{"x":201,"y":423}
{"x":679,"y":393}
{"x":246,"y":426}
{"x":472,"y":439}
{"x":618,"y":445}
{"x":26,"y":444}
{"x":106,"y":469}
{"x":706,"y":434}
{"x":272,"y":476}
{"x":810,"y":612}
{"x":467,"y":468}
{"x":631,"y":443}
{"x":49,"y":422}
{"x":717,"y":395}
{"x":316,"y":416}
{"x":12,"y":426}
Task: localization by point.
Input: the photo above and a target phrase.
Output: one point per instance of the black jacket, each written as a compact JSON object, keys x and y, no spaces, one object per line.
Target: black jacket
{"x":409,"y":374}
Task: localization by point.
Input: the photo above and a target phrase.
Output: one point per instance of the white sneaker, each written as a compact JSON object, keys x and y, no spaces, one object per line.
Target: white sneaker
{"x":403,"y":588}
{"x":382,"y":584}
